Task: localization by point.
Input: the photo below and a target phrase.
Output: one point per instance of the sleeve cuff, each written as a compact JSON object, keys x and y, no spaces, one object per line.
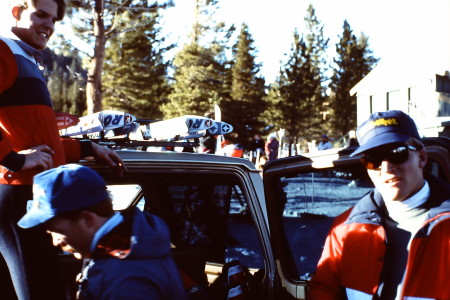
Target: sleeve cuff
{"x":13,"y":161}
{"x":86,"y":148}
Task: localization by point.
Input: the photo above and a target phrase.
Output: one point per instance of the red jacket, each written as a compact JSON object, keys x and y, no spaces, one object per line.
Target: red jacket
{"x":353,"y":255}
{"x":26,"y":115}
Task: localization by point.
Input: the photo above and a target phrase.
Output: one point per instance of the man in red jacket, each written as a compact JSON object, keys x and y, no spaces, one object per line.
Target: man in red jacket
{"x":29,"y":144}
{"x":394,"y":243}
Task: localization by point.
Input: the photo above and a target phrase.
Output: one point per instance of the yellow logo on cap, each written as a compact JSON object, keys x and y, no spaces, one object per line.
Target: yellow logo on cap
{"x":376,"y":123}
{"x":384,"y":122}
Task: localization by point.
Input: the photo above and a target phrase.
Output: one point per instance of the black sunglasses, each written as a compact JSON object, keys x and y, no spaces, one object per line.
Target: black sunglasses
{"x":397,"y":156}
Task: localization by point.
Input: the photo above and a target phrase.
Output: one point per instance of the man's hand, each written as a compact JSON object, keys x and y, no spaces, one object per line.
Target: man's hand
{"x":110,"y":157}
{"x":40,"y":155}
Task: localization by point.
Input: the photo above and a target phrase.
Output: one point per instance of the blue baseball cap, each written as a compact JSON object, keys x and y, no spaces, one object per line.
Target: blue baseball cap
{"x":66,"y":188}
{"x":382,"y":128}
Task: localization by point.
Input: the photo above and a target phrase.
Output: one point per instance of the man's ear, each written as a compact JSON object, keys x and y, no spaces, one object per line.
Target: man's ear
{"x":423,"y":158}
{"x":17,"y":12}
{"x":88,"y":218}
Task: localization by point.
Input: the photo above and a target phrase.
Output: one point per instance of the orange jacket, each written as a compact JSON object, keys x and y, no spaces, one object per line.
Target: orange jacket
{"x":353,"y":255}
{"x":26,"y":115}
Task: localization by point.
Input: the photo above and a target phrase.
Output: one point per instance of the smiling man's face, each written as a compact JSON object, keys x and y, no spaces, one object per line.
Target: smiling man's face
{"x":35,"y":24}
{"x":398,"y":182}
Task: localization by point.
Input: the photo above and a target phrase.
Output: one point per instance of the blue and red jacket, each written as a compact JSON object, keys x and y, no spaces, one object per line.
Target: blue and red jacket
{"x":27,"y":118}
{"x":353,"y":255}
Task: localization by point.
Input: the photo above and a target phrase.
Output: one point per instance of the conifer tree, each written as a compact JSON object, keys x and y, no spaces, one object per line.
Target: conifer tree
{"x":197,"y":82}
{"x":200,"y":75}
{"x":245,"y":105}
{"x":291,"y":98}
{"x":135,"y":73}
{"x":66,"y":81}
{"x":317,"y":45}
{"x":297,"y":99}
{"x":354,"y":60}
{"x":97,"y":22}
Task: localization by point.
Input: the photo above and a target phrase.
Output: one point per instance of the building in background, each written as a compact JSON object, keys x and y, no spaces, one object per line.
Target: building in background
{"x":419,"y":87}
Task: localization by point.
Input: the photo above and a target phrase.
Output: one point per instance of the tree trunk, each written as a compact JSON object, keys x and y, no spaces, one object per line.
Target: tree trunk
{"x":94,"y":83}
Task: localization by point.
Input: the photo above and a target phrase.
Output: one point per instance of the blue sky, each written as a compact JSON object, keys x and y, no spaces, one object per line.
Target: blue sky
{"x":397,"y":29}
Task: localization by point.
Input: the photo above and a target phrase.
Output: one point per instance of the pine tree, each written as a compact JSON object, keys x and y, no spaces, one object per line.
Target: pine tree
{"x":66,"y":81}
{"x":354,"y":61}
{"x":197,"y":83}
{"x":246,"y":104}
{"x":135,"y":74}
{"x":317,"y":45}
{"x":291,"y":99}
{"x":97,"y":22}
{"x":200,"y":77}
{"x":297,"y":100}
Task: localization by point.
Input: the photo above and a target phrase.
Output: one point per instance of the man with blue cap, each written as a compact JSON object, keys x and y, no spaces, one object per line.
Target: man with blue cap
{"x":395,"y":242}
{"x":127,"y":254}
{"x":324,"y":144}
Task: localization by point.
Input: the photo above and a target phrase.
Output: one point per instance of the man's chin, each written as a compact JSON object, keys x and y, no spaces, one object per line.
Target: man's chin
{"x":390,"y":194}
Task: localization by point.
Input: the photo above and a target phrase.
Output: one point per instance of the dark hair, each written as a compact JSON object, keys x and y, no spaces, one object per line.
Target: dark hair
{"x":415,"y":143}
{"x":61,"y":7}
{"x":103,"y":209}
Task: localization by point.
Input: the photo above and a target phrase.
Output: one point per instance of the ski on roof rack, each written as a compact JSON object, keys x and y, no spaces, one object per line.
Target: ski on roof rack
{"x":122,"y":130}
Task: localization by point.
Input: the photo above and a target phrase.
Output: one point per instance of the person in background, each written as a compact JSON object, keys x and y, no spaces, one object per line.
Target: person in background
{"x":233,"y":150}
{"x":30,"y":143}
{"x":271,"y":147}
{"x":237,"y":151}
{"x":261,"y":162}
{"x":257,"y":148}
{"x":324,"y":143}
{"x":208,"y":144}
{"x":258,"y":144}
{"x":394,"y":243}
{"x":127,"y":254}
{"x":352,"y":141}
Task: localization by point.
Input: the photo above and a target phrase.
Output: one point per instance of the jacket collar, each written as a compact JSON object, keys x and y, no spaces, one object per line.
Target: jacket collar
{"x":117,"y":242}
{"x":33,"y":52}
{"x":369,"y":210}
{"x":438,"y":204}
{"x":372,"y":210}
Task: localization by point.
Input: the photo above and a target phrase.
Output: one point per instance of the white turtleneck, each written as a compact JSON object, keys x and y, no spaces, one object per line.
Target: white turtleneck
{"x":406,"y":218}
{"x":408,"y":213}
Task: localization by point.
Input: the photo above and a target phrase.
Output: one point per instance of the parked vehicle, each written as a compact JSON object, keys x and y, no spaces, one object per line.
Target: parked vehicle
{"x":222,"y":209}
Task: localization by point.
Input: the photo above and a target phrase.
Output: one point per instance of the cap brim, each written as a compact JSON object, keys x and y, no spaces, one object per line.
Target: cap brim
{"x":381,"y":140}
{"x":34,"y":217}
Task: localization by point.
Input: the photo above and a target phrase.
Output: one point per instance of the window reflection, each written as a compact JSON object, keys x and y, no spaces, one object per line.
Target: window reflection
{"x":311,"y":201}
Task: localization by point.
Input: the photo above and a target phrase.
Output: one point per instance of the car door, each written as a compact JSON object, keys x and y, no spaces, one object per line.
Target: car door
{"x":210,"y":206}
{"x":304,"y":195}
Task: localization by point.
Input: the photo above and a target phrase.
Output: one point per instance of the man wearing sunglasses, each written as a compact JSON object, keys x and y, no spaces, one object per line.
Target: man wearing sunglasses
{"x":395,"y":242}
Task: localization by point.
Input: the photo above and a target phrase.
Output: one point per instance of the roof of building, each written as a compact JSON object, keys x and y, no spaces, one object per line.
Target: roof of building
{"x":394,"y":74}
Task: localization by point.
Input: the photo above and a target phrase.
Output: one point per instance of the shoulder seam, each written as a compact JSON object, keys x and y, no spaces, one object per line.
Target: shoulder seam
{"x":16,"y":49}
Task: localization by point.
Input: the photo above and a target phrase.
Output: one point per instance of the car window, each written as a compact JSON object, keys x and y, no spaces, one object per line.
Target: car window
{"x":123,"y":194}
{"x":242,"y":239}
{"x":310,"y":202}
{"x":212,"y":215}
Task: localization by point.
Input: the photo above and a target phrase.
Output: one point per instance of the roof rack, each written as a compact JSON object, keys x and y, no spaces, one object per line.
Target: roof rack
{"x":126,"y":143}
{"x":120,"y":130}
